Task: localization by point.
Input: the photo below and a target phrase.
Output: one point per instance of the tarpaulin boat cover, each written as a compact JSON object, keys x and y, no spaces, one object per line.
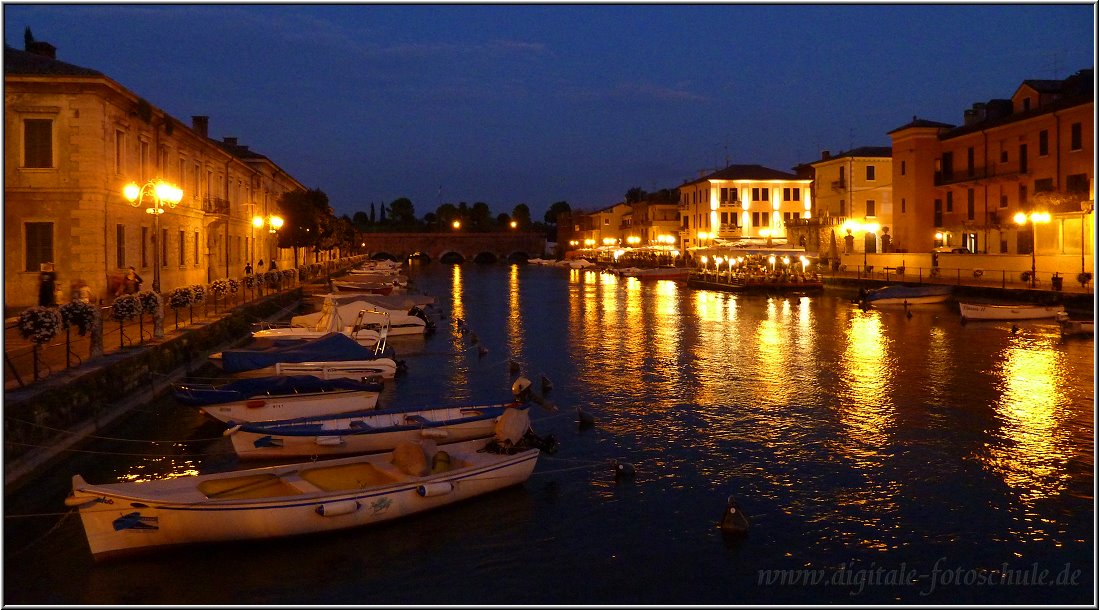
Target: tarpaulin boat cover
{"x":327,"y":348}
{"x":243,"y":389}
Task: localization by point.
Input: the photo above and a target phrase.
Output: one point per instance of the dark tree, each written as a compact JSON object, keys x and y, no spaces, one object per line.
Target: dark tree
{"x":635,"y":194}
{"x":521,"y":215}
{"x":554,"y":210}
{"x":402,"y":214}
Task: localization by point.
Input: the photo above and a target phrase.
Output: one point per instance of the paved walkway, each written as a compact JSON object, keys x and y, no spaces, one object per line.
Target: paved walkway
{"x":72,"y":351}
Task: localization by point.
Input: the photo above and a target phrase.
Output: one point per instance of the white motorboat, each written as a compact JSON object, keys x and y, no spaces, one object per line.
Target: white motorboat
{"x":1026,"y":311}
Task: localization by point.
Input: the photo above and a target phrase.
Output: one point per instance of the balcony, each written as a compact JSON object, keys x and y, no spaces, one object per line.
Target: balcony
{"x":978,"y":174}
{"x":728,"y":231}
{"x":215,"y":205}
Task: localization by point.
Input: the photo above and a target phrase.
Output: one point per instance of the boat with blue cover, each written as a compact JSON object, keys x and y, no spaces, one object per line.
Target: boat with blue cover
{"x":901,"y":294}
{"x":278,"y":397}
{"x":330,"y":356}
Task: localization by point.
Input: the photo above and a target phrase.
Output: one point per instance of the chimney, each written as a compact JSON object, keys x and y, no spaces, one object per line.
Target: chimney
{"x":201,"y":125}
{"x":231,"y":141}
{"x":825,"y":155}
{"x":42,"y":48}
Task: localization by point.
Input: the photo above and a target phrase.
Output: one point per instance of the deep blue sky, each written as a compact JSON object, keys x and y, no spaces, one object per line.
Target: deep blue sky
{"x":534,"y":104}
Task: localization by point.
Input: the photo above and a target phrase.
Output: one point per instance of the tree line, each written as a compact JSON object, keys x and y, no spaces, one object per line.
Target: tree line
{"x":311,"y":225}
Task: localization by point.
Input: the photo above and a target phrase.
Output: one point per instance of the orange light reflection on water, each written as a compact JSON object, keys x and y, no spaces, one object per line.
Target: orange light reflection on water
{"x":1033,"y":447}
{"x":459,"y":372}
{"x":515,"y":316}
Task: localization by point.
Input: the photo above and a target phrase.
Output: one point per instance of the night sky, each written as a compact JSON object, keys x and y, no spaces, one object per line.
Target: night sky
{"x":534,"y":104}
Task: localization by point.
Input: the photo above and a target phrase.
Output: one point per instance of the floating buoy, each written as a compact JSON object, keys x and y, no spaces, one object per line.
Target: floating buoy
{"x":584,"y":419}
{"x":623,"y":471}
{"x":734,"y":522}
{"x":481,"y":351}
{"x":1014,"y":328}
{"x":521,"y":389}
{"x":513,"y":367}
{"x":547,"y":385}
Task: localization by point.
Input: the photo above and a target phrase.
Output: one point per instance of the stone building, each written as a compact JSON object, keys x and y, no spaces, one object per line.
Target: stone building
{"x":962,"y":186}
{"x":73,"y":138}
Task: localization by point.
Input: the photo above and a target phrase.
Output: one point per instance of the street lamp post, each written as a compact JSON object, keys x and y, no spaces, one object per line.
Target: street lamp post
{"x":1034,"y":218}
{"x":163,"y":193}
{"x":274,"y":223}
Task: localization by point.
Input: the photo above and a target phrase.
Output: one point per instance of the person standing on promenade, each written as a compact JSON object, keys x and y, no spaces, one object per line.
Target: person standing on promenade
{"x":47,"y":285}
{"x":131,"y":284}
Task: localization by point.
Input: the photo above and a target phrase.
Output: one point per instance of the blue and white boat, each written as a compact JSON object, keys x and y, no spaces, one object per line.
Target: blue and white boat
{"x":907,"y":295}
{"x":280,"y":397}
{"x":334,"y":355}
{"x":372,"y":431}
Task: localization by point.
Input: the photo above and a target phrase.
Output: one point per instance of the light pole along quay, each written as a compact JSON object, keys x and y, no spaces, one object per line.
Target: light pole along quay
{"x":1034,"y":218}
{"x":162,"y":193}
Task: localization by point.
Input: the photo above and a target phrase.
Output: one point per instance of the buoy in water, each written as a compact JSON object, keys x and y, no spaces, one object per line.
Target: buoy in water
{"x":513,"y":367}
{"x":1014,"y":328}
{"x":584,"y":419}
{"x":623,"y":471}
{"x":481,"y":351}
{"x":734,"y":522}
{"x":547,"y":385}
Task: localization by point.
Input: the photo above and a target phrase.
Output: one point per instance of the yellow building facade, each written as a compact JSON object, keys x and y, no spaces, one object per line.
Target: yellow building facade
{"x":73,"y":139}
{"x":854,"y":197}
{"x":741,"y":201}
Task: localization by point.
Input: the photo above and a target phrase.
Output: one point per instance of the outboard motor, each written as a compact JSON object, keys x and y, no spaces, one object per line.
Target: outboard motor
{"x":521,"y":389}
{"x":421,"y":314}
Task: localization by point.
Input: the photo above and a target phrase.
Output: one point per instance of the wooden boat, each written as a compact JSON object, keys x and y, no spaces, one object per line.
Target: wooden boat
{"x":656,"y":273}
{"x":329,"y":321}
{"x":366,"y":431}
{"x":273,"y":398}
{"x":983,"y":311}
{"x":364,"y":287}
{"x":331,"y":356}
{"x":901,"y":294}
{"x":410,"y":321}
{"x":1070,"y":327}
{"x":129,"y":517}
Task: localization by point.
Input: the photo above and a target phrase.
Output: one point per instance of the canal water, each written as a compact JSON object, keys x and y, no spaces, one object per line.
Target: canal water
{"x":881,"y":458}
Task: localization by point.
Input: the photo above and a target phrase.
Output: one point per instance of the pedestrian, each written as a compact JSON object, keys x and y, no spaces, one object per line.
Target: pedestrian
{"x":248,"y":268}
{"x":260,"y":265}
{"x":272,"y":267}
{"x":85,"y":292}
{"x":47,"y":285}
{"x":131,"y":284}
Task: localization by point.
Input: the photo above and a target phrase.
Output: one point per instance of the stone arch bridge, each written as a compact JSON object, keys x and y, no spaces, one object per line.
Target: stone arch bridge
{"x":480,"y":247}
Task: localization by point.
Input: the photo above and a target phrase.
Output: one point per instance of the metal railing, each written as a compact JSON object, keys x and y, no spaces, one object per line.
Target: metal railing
{"x":25,"y":362}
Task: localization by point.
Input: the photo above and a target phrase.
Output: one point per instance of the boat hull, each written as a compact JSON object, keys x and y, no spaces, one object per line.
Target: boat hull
{"x":127,"y":518}
{"x":916,"y":300}
{"x":366,"y":338}
{"x":371,"y":432}
{"x":264,"y":408}
{"x":356,"y":370}
{"x":974,"y":311}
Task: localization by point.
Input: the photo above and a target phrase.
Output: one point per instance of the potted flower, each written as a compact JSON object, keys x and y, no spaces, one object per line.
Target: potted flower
{"x":125,"y":307}
{"x":1083,"y":277}
{"x":178,"y":299}
{"x":38,"y":325}
{"x":80,"y":314}
{"x":218,"y":288}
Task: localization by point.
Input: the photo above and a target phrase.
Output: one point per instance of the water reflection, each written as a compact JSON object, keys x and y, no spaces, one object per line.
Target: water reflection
{"x":515,"y":314}
{"x":459,"y":370}
{"x":1031,"y":449}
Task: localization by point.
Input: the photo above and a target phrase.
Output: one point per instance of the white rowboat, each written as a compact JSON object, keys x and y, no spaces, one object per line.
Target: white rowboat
{"x":128,"y":517}
{"x":977,"y":311}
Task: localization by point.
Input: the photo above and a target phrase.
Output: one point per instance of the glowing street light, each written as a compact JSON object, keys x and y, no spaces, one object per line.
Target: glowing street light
{"x":1034,"y":218}
{"x":457,"y":224}
{"x":163,"y":193}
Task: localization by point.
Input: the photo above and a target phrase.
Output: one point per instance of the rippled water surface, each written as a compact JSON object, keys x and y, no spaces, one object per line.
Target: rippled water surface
{"x":888,"y":457}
